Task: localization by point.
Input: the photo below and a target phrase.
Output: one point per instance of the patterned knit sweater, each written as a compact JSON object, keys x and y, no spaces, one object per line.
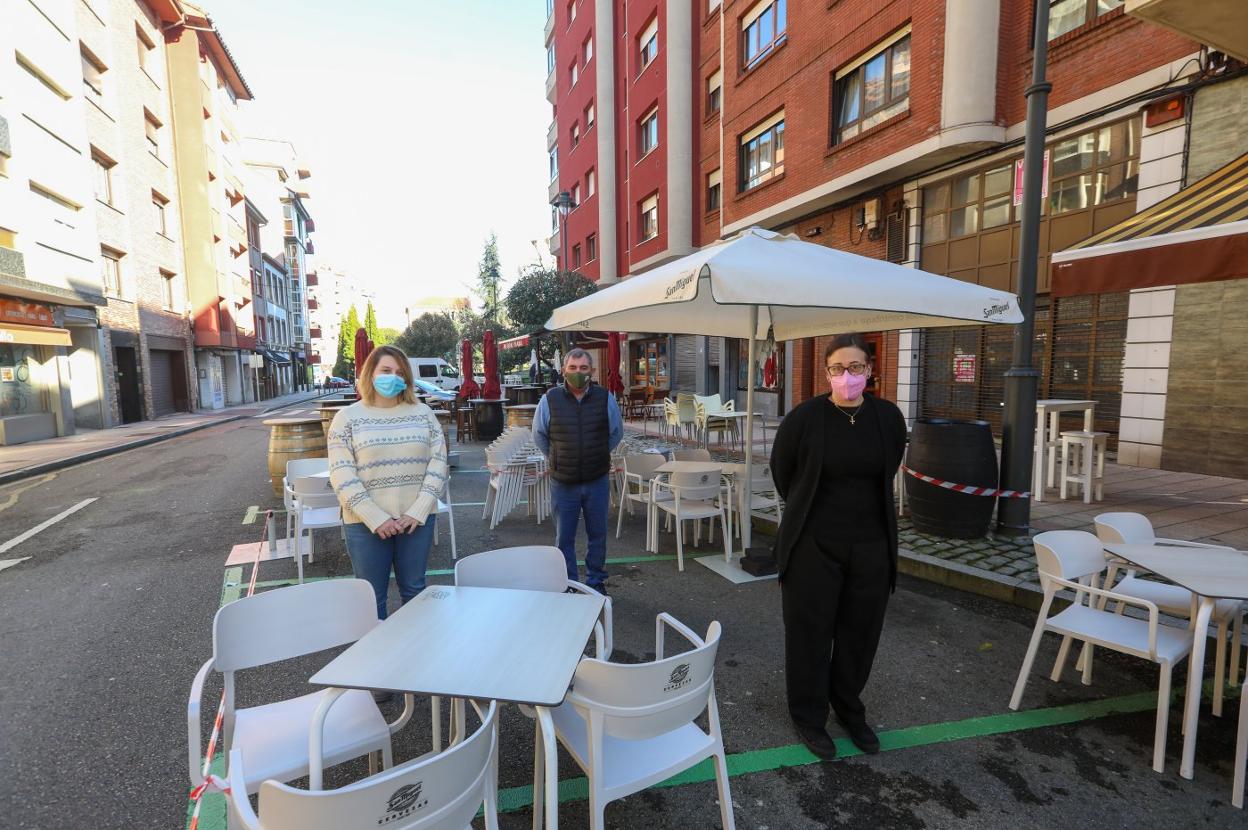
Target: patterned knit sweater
{"x":384,"y":463}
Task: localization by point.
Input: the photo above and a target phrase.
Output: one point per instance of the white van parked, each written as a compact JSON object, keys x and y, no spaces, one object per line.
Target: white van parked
{"x":435,"y":370}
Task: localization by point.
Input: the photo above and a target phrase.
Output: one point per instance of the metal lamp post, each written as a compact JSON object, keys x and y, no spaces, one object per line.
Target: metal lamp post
{"x":563,"y":203}
{"x":1019,"y":426}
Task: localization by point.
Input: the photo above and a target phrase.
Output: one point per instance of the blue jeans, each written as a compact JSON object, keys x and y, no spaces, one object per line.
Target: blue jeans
{"x":372,"y":557}
{"x":570,"y":500}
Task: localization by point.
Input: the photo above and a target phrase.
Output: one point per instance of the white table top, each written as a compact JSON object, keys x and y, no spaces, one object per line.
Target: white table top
{"x":483,"y":643}
{"x":1058,"y":403}
{"x":1209,"y":572}
{"x":690,"y":467}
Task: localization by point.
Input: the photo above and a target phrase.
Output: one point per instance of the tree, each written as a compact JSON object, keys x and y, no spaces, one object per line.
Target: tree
{"x":536,"y":295}
{"x":432,"y":334}
{"x":370,"y":324}
{"x":345,"y":365}
{"x":387,"y":335}
{"x":473,"y":327}
{"x":490,"y":279}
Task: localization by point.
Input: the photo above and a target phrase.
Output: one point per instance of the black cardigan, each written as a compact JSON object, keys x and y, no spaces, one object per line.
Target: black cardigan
{"x":797,"y":459}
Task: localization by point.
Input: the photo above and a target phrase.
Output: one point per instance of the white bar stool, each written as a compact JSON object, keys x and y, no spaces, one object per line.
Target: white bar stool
{"x":1083,"y":462}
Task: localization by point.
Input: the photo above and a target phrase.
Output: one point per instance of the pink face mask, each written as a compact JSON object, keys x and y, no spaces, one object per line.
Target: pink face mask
{"x":848,"y":387}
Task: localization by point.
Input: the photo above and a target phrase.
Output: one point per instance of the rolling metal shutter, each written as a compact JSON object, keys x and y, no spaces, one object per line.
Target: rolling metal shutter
{"x":160,"y":372}
{"x":685,"y":378}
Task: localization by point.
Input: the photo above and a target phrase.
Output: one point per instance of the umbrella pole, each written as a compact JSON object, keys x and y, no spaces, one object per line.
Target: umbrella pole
{"x":746,"y":502}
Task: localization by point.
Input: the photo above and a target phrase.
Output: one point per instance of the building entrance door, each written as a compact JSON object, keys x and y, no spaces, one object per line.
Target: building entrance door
{"x":129,"y":391}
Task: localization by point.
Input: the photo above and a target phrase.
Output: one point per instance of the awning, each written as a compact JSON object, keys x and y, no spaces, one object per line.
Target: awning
{"x":514,"y":342}
{"x":277,"y":357}
{"x":34,"y":335}
{"x":1199,"y":234}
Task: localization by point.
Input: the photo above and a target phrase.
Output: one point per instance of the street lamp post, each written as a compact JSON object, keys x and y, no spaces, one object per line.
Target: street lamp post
{"x":563,"y":203}
{"x":1019,"y":426}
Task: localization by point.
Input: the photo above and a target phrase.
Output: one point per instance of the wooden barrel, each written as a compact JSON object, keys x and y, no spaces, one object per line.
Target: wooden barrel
{"x":328,"y":409}
{"x":489,"y":418}
{"x":960,"y":452}
{"x":291,"y":438}
{"x":520,"y":416}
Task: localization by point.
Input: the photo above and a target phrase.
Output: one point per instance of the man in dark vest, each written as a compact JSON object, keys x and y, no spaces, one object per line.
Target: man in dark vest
{"x":576,"y":427}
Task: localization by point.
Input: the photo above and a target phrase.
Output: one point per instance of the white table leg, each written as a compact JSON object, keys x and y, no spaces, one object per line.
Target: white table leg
{"x":316,"y":737}
{"x":1037,"y":472}
{"x":550,"y":747}
{"x":1050,"y":443}
{"x":1195,"y":677}
{"x":1088,"y":418}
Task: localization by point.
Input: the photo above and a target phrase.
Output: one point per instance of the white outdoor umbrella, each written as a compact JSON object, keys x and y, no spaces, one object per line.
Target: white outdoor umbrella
{"x":760,"y":280}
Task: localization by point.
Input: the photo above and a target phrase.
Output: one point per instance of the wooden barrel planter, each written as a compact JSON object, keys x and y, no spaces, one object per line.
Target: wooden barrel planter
{"x":328,"y":409}
{"x":488,"y":414}
{"x":291,"y":438}
{"x":961,"y":452}
{"x":520,"y":415}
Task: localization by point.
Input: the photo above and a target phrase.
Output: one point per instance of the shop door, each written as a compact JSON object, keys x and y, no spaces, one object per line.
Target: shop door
{"x":161,"y":373}
{"x":129,"y":392}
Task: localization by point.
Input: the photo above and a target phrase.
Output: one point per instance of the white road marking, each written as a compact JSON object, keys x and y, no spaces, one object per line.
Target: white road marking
{"x":42,"y":526}
{"x":8,"y":563}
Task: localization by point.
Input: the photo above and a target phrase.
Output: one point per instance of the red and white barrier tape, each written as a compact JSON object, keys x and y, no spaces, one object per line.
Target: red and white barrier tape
{"x":967,"y":488}
{"x":213,"y":782}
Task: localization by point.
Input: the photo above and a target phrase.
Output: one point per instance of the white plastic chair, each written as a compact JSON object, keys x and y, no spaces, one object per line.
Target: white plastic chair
{"x":762,"y":500}
{"x":639,"y":471}
{"x":280,"y":625}
{"x":444,"y":509}
{"x":1074,"y":559}
{"x":532,"y":568}
{"x":1136,"y":529}
{"x":631,"y":726}
{"x":434,"y":792}
{"x":298,"y":468}
{"x":694,"y":496}
{"x":316,"y":508}
{"x":691,"y":454}
{"x":686,"y":413}
{"x":1241,"y":752}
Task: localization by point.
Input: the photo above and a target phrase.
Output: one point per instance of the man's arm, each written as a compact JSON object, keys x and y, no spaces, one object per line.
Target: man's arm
{"x":615,"y":422}
{"x":541,"y":427}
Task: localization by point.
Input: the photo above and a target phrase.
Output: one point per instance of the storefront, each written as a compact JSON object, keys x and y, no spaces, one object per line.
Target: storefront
{"x":35,"y":400}
{"x":649,"y":366}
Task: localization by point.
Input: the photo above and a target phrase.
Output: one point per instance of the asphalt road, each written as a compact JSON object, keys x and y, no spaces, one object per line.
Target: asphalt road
{"x":105,"y":625}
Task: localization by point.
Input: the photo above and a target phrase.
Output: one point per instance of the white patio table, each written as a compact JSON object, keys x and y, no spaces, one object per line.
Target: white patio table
{"x":1048,"y":434}
{"x":480,"y":643}
{"x":1211,"y":574}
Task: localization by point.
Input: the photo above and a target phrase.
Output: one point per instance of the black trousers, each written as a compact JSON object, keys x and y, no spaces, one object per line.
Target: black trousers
{"x":834,"y":597}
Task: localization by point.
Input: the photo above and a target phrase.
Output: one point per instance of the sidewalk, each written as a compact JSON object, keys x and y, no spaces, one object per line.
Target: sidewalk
{"x":37,"y":457}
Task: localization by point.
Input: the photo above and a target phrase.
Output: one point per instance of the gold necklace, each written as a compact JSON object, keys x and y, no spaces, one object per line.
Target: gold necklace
{"x":853,"y":418}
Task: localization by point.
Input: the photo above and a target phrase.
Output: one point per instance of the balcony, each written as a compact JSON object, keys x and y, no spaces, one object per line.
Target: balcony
{"x":553,"y":190}
{"x":554,"y":243}
{"x":550,"y":28}
{"x":550,"y":87}
{"x":552,"y":135}
{"x":1218,"y":24}
{"x":311,"y":278}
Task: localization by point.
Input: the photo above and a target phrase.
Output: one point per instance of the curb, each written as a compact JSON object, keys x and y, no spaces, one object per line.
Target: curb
{"x":82,"y":458}
{"x":290,"y":403}
{"x":1010,"y":589}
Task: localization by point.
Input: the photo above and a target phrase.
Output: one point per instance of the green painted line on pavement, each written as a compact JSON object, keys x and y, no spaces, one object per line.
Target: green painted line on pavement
{"x":250,"y":515}
{"x":212,"y":813}
{"x":231,"y":584}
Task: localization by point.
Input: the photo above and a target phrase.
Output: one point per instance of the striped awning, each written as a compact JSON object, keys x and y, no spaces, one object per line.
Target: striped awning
{"x":1199,"y":234}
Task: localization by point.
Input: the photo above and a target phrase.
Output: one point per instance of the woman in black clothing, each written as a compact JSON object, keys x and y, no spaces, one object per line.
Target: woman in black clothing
{"x":833,"y":461}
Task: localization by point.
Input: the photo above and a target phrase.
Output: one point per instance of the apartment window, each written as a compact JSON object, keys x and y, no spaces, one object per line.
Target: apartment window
{"x":762,"y":152}
{"x":576,"y":256}
{"x":69,"y":210}
{"x":872,"y":89}
{"x":648,"y":43}
{"x":713,"y":191}
{"x":152,"y":125}
{"x":762,"y":29}
{"x":576,"y":195}
{"x":714,"y":92}
{"x":650,"y":218}
{"x":589,"y":115}
{"x":168,"y":295}
{"x":550,"y":59}
{"x":587,"y":48}
{"x":93,"y":70}
{"x":591,"y":247}
{"x":145,"y":48}
{"x":648,"y":137}
{"x":573,"y":74}
{"x":1065,"y":15}
{"x":554,"y":220}
{"x":103,"y":176}
{"x":591,"y":182}
{"x":1095,"y":167}
{"x":554,"y":163}
{"x":110,"y":271}
{"x":575,"y":134}
{"x":159,"y":209}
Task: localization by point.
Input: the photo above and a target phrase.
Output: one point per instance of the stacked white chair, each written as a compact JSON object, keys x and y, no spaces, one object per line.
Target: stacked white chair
{"x":1073,"y":559}
{"x":1136,"y":529}
{"x":517,"y":468}
{"x":631,"y":726}
{"x":434,"y":792}
{"x":316,"y":508}
{"x":298,"y":468}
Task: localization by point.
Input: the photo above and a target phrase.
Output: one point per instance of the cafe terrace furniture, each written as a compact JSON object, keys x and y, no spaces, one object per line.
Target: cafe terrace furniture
{"x":1083,"y":463}
{"x":471,"y":644}
{"x":444,"y":508}
{"x":280,"y":625}
{"x":632,"y":726}
{"x":1073,"y":559}
{"x":316,"y":508}
{"x":693,"y":495}
{"x":1211,"y":574}
{"x":298,"y":468}
{"x":638,"y":471}
{"x":440,"y":790}
{"x":1048,"y":436}
{"x":291,"y":438}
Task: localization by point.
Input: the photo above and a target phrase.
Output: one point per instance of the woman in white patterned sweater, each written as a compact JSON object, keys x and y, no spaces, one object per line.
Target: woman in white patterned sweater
{"x":387,"y":463}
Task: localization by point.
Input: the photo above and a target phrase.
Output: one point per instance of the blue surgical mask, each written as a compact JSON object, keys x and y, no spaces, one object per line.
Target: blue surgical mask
{"x":388,"y":385}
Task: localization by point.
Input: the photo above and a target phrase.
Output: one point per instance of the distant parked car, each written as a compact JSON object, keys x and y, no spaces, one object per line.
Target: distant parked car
{"x":337,"y":383}
{"x":424,"y":387}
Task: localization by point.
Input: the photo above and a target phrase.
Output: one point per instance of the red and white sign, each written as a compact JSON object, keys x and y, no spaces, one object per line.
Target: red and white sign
{"x":964,"y":368}
{"x":1018,"y":180}
{"x":30,"y":314}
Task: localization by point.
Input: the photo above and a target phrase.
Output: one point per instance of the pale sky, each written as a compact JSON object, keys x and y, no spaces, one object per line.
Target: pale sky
{"x":424,"y":124}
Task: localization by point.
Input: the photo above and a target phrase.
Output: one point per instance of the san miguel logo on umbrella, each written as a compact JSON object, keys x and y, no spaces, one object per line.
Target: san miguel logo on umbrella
{"x":405,"y":801}
{"x":678,"y":679}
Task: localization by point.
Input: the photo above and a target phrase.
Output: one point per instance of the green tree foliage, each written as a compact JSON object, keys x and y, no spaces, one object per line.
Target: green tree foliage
{"x":473,"y":326}
{"x":344,"y":362}
{"x":535,"y":296}
{"x":432,"y":334}
{"x":370,"y":324}
{"x":387,"y":335}
{"x":490,"y":279}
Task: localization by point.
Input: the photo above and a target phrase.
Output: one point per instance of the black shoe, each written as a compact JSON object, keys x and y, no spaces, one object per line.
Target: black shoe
{"x":817,"y":740}
{"x":570,"y":590}
{"x":862,"y":735}
{"x":600,"y":588}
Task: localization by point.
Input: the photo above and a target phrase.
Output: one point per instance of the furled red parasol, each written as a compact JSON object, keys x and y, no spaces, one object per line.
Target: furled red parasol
{"x":361,"y":349}
{"x":468,"y":389}
{"x":615,"y":384}
{"x":489,"y":350}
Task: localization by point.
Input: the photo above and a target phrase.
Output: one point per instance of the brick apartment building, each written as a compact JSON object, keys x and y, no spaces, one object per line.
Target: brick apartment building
{"x":894,"y":130}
